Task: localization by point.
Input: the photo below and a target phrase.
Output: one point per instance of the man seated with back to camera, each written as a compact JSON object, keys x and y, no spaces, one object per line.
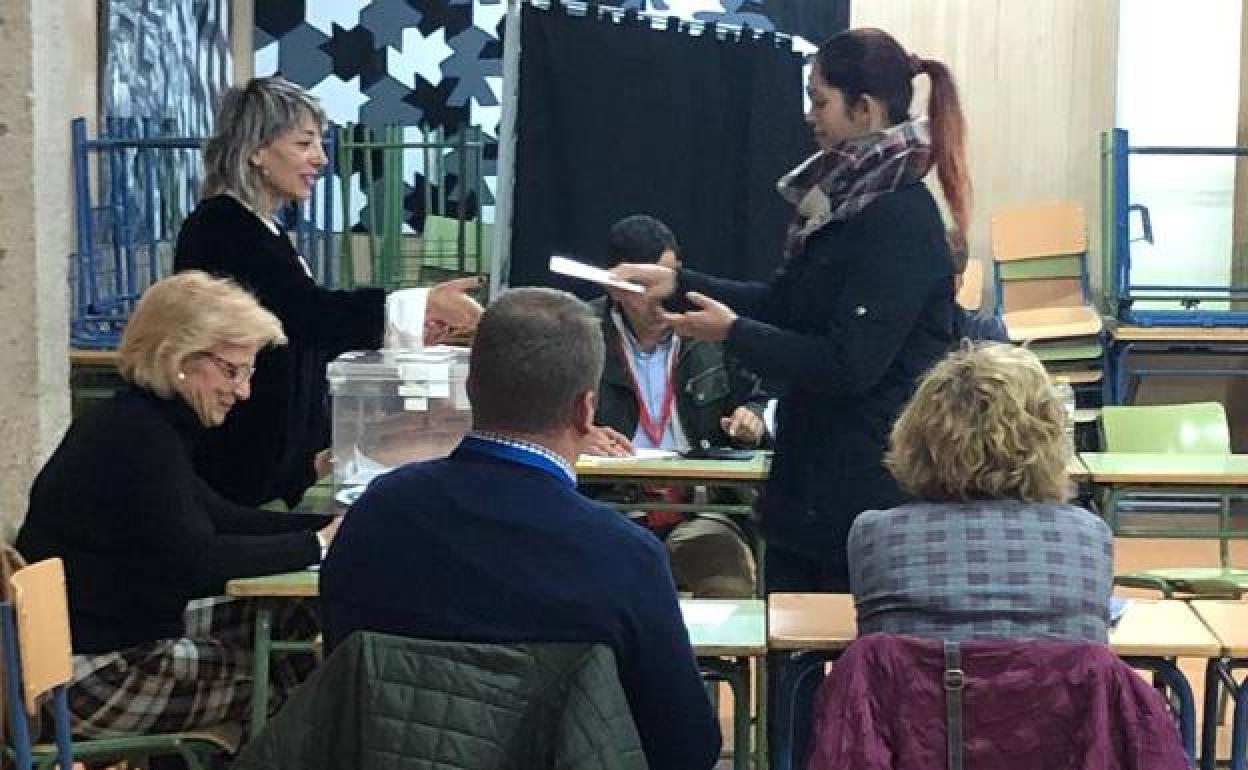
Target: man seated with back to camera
{"x":662,"y":391}
{"x":495,"y":544}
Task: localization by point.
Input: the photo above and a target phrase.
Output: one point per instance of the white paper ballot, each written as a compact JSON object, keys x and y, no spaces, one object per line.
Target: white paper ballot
{"x":571,"y":267}
{"x":638,"y":454}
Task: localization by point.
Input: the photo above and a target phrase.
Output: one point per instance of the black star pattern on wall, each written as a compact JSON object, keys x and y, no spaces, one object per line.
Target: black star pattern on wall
{"x":354,"y":53}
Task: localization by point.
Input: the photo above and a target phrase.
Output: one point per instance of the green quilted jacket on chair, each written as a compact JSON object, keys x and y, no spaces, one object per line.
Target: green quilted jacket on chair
{"x":390,"y":703}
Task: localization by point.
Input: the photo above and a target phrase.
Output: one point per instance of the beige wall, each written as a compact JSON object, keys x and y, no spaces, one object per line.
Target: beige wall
{"x":47,"y":76}
{"x":1037,"y":82}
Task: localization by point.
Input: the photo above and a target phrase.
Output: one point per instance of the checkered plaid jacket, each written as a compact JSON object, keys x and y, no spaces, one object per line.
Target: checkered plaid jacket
{"x":984,"y":570}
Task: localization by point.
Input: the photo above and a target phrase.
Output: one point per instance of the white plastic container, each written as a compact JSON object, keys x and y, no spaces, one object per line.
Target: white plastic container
{"x":393,"y":407}
{"x":1066,"y":393}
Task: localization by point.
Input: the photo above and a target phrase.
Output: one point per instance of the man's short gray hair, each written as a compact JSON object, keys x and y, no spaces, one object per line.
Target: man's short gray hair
{"x":250,"y":117}
{"x":535,"y":352}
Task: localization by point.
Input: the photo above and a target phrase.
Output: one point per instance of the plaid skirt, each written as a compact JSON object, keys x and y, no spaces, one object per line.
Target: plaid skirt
{"x":202,"y":679}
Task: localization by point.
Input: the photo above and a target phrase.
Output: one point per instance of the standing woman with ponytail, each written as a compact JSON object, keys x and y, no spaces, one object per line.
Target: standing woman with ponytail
{"x":860,"y":308}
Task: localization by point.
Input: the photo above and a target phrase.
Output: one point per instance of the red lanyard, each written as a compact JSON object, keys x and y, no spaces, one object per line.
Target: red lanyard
{"x":654,"y":428}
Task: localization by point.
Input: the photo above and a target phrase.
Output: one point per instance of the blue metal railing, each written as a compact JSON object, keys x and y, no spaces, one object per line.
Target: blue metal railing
{"x":1120,"y":287}
{"x":146,"y":181}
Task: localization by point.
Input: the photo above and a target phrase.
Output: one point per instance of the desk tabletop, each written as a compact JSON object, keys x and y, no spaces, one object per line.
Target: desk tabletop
{"x":717,"y":627}
{"x":726,"y":627}
{"x":94,"y":357}
{"x":1162,"y":627}
{"x":677,"y":468}
{"x":1149,"y":468}
{"x":811,"y":621}
{"x":305,"y":583}
{"x":1077,"y":470}
{"x":1180,"y":334}
{"x":1149,"y":627}
{"x":1228,"y":620}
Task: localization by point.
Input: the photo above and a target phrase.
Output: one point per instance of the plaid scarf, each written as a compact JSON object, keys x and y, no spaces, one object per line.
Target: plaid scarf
{"x":833,"y":185}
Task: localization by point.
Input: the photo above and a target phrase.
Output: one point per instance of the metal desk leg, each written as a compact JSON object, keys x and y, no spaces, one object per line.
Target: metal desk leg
{"x":736,"y":673}
{"x":1209,"y":730}
{"x":760,"y":701}
{"x":1116,"y":374}
{"x":261,"y":650}
{"x":790,"y":672}
{"x":1239,"y":722}
{"x":1168,"y":672}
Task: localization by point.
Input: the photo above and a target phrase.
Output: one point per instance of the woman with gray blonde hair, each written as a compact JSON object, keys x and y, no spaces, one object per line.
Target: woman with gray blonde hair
{"x":267,"y":153}
{"x":991,"y":549}
{"x":147,"y":545}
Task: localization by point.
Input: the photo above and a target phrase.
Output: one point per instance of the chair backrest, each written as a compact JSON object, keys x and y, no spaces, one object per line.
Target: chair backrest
{"x":42,"y":628}
{"x":971,"y":293}
{"x":1198,"y":428}
{"x":539,"y":698}
{"x":1039,"y":255}
{"x":1035,"y":230}
{"x":886,"y":704}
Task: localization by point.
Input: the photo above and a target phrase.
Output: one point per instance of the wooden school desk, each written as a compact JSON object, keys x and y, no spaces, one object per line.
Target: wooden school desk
{"x":725,"y":634}
{"x":815,"y":628}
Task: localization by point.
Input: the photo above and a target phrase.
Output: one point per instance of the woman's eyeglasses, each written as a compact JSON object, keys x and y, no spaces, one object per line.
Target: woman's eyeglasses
{"x":236,"y":373}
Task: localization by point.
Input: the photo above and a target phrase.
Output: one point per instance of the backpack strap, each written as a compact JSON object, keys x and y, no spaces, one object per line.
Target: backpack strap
{"x":954,"y":682}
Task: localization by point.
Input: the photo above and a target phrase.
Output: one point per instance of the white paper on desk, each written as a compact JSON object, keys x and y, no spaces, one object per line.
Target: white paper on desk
{"x":571,"y":267}
{"x":698,"y":613}
{"x":1117,"y":606}
{"x":638,"y":454}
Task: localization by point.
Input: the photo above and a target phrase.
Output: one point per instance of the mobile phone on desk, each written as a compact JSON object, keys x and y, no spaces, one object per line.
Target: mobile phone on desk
{"x":708,"y":452}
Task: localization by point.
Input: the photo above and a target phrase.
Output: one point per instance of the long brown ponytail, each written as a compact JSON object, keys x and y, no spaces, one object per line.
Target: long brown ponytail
{"x":870,"y":61}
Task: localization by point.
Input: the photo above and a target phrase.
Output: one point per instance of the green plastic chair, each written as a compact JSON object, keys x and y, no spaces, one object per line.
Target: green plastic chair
{"x":1166,"y":428}
{"x":1199,"y":428}
{"x":34,"y":625}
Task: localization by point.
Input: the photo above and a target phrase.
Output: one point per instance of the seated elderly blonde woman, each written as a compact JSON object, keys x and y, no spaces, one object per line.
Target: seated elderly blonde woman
{"x":144,"y":539}
{"x":991,"y":550}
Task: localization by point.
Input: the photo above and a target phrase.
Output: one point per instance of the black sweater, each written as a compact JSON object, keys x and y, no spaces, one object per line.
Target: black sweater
{"x":264,"y":450}
{"x":848,"y":325}
{"x":139,"y":532}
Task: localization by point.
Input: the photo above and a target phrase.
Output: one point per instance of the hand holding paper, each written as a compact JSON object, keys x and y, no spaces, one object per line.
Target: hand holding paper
{"x":574,"y":269}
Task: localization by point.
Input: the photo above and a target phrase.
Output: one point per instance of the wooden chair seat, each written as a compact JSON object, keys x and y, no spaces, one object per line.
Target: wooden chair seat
{"x":1052,"y":323}
{"x":1076,"y":377}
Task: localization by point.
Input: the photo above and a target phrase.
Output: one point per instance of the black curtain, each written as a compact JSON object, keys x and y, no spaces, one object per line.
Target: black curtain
{"x":617,"y":118}
{"x":815,"y":20}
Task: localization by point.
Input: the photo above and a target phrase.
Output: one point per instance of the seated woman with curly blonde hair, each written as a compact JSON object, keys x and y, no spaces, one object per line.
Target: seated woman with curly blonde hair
{"x":991,"y":550}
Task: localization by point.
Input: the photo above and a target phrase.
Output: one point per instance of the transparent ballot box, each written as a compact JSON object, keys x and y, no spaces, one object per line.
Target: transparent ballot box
{"x":391,"y":407}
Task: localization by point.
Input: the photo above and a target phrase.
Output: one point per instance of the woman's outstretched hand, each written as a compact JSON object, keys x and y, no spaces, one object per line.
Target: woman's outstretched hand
{"x":710,"y":321}
{"x":450,"y":309}
{"x":659,"y":281}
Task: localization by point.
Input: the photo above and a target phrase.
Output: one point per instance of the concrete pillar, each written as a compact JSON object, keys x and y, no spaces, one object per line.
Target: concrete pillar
{"x":47,"y":76}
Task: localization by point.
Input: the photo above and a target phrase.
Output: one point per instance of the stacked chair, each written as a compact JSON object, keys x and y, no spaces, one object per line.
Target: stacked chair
{"x":1039,"y":254}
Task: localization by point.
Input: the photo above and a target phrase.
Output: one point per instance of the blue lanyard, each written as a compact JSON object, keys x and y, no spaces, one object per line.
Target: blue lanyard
{"x":516,"y":455}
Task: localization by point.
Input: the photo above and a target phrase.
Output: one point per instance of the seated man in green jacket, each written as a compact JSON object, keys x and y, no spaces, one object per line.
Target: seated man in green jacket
{"x":661,"y":391}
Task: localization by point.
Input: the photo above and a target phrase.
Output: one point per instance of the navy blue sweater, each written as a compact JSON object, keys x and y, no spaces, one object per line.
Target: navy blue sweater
{"x":478,"y":548}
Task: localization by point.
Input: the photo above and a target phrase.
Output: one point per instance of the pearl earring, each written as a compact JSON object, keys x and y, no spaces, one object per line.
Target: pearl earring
{"x":181,"y":375}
